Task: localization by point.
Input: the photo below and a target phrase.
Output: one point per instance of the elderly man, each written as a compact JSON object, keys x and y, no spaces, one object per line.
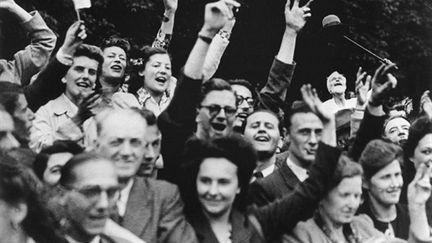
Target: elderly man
{"x":336,"y":86}
{"x":150,"y":209}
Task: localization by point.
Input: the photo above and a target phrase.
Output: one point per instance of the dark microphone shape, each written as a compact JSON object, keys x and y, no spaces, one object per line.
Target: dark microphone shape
{"x":333,"y":26}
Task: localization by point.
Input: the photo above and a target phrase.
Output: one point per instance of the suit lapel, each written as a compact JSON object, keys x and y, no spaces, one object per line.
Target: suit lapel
{"x":288,"y":176}
{"x":137,"y":211}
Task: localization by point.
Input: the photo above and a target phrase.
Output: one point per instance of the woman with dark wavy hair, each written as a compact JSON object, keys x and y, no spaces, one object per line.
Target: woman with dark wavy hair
{"x":23,"y":216}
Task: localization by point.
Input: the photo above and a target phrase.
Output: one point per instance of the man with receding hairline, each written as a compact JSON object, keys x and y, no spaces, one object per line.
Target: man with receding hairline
{"x":151,"y":209}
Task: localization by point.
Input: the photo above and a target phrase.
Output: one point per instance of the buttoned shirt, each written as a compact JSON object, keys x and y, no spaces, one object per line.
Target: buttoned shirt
{"x":301,"y":173}
{"x":53,"y":122}
{"x":124,"y":195}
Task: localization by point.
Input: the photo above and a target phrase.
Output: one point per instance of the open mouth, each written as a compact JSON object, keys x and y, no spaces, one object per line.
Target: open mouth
{"x":116,"y":68}
{"x":242,"y":115}
{"x":262,"y":138}
{"x":218,"y":126}
{"x":337,"y":84}
{"x":84,"y":85}
{"x":161,"y":79}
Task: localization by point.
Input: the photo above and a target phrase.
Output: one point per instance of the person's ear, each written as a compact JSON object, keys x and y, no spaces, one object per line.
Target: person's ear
{"x":238,"y":190}
{"x":197,"y":115}
{"x":63,"y":80}
{"x":286,"y":136}
{"x":19,"y":213}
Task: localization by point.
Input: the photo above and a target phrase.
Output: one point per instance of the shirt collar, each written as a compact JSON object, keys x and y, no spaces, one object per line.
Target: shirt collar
{"x":64,"y":105}
{"x":144,"y":95}
{"x":267,"y":171}
{"x":124,"y":195}
{"x":301,"y":173}
{"x":96,"y":239}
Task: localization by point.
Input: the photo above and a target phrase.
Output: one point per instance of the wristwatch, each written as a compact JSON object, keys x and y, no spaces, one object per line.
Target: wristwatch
{"x":224,"y":34}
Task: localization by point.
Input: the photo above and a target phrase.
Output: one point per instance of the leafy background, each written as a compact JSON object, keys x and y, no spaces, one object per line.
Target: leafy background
{"x":400,"y":30}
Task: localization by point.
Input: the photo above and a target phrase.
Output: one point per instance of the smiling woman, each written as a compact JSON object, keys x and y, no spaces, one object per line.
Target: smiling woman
{"x":151,"y":79}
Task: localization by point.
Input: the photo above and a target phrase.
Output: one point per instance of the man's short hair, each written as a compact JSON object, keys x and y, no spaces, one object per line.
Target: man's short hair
{"x":117,"y":41}
{"x":391,"y":118}
{"x":328,"y":79}
{"x":280,"y":123}
{"x":297,"y":107}
{"x":68,"y":175}
{"x":214,"y":84}
{"x":9,"y":94}
{"x":242,"y":82}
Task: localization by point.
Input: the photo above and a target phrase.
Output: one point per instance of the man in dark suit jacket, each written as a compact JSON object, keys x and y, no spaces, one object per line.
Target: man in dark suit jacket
{"x":304,"y":132}
{"x":149,"y":208}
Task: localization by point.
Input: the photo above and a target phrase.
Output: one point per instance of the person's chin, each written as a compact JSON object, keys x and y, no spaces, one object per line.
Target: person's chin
{"x":95,"y":226}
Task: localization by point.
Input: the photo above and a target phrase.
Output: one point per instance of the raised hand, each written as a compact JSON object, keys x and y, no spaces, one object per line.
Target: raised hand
{"x":296,"y":16}
{"x":382,"y":83}
{"x":170,"y":5}
{"x":6,"y":4}
{"x":426,"y":104}
{"x":217,"y":14}
{"x":362,"y":88}
{"x":86,"y":107}
{"x":310,"y":97}
{"x":419,"y":190}
{"x":75,"y":36}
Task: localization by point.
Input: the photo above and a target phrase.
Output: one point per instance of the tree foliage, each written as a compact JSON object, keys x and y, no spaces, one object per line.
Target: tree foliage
{"x":396,"y":29}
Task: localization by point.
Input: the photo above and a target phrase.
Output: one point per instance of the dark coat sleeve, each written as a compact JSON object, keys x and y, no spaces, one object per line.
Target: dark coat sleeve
{"x":273,"y":95}
{"x":258,"y":194}
{"x":282,"y":215}
{"x":47,"y":86}
{"x":371,"y":127}
{"x":177,"y":124}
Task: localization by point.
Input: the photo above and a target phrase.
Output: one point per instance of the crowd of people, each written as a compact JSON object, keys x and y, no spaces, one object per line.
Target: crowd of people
{"x":96,"y":146}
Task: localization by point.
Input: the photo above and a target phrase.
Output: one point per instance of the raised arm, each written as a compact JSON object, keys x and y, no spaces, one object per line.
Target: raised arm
{"x":47,"y":85}
{"x":217,"y":49}
{"x":177,"y":122}
{"x":374,"y":117}
{"x":419,"y":191}
{"x":282,"y":215}
{"x":273,"y":94}
{"x":35,"y":56}
{"x":164,"y":35}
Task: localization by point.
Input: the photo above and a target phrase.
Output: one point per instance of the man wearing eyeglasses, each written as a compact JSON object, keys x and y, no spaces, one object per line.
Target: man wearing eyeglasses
{"x":90,"y":190}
